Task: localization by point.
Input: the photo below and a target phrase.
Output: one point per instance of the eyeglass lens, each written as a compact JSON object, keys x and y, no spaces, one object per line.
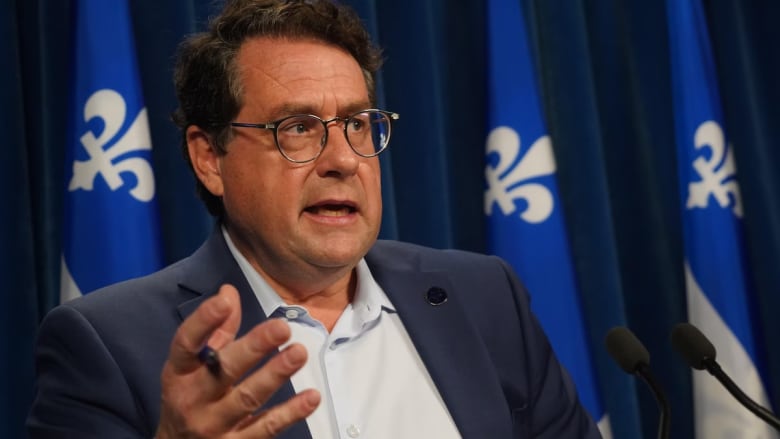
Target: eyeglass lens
{"x":302,"y":137}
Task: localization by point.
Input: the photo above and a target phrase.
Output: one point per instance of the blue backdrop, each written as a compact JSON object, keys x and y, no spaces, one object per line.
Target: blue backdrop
{"x":604,"y":82}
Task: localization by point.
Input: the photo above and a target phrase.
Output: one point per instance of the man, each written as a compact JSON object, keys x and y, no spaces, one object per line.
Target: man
{"x":388,"y":340}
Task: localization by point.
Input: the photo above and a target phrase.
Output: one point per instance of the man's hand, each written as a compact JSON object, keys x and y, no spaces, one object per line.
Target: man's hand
{"x":199,"y":403}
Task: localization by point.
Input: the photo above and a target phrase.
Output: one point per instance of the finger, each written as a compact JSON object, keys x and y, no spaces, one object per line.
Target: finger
{"x":226,"y":332}
{"x":254,"y":391}
{"x":217,"y":314}
{"x":277,"y":419}
{"x":239,"y":357}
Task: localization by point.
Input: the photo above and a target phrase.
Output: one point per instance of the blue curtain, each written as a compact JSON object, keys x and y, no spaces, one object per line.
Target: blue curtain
{"x":605,"y":89}
{"x":18,"y":309}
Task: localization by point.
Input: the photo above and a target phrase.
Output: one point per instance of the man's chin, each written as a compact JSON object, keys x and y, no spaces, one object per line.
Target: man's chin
{"x":339,"y":253}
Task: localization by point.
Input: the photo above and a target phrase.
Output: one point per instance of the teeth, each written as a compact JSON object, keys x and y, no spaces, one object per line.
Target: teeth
{"x":331,"y":210}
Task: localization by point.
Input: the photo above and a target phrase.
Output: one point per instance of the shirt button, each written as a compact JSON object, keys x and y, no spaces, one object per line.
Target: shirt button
{"x":291,"y":314}
{"x":353,"y":431}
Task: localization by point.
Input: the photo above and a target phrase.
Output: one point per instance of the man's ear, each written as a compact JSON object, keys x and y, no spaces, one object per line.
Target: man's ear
{"x":205,"y":159}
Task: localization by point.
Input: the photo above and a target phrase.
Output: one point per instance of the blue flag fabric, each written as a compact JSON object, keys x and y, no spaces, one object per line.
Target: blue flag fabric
{"x":524,"y":215}
{"x":110,"y":230}
{"x":717,"y":288}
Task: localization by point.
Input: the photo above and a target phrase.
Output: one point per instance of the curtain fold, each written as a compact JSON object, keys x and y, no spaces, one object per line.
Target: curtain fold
{"x":20,"y":295}
{"x":570,"y":79}
{"x":633,"y":105}
{"x":44,"y":43}
{"x":159,"y":27}
{"x":604,"y":77}
{"x":433,"y":77}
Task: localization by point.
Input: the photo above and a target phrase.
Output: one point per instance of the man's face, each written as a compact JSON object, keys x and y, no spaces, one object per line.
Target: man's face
{"x":297,"y":220}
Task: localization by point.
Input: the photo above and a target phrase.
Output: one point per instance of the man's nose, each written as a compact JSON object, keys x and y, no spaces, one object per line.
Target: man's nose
{"x":338,"y":157}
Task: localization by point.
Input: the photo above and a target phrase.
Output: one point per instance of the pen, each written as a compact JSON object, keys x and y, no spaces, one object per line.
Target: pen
{"x":209,"y":357}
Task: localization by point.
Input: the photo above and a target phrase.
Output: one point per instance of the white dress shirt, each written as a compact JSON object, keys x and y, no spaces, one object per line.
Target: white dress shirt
{"x":372,"y":381}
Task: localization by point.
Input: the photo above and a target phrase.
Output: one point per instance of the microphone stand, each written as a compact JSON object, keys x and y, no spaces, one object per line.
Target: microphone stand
{"x":643,"y":372}
{"x":714,"y":369}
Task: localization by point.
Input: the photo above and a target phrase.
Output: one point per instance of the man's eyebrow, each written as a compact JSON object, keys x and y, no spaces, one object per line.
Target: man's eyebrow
{"x":290,"y":109}
{"x":357,"y":106}
{"x":285,"y":110}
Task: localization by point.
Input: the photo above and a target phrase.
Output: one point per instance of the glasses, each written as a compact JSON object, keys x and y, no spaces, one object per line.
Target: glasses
{"x":301,"y":137}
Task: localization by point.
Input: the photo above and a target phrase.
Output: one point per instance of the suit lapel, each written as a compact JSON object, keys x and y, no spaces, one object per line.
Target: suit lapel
{"x":211,"y":267}
{"x":450,"y":347}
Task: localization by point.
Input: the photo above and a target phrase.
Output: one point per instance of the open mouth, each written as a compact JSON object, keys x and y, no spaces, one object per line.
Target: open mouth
{"x":328,"y":209}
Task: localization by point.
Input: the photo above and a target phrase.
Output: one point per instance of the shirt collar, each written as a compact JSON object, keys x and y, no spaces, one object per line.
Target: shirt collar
{"x":368,"y":303}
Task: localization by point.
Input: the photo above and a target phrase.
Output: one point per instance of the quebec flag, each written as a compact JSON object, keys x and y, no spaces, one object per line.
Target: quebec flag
{"x":717,"y":287}
{"x":524,"y":217}
{"x":110,"y":222}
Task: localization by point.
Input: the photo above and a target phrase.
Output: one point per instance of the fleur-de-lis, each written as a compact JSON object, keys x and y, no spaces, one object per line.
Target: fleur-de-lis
{"x":505,"y":185}
{"x":109,"y":106}
{"x":717,"y":174}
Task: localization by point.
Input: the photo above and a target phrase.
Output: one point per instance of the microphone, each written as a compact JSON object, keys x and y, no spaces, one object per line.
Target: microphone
{"x":632,"y":356}
{"x":699,"y":353}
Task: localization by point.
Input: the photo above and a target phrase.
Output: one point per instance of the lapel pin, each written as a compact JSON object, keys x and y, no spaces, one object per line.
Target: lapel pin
{"x":436,"y":296}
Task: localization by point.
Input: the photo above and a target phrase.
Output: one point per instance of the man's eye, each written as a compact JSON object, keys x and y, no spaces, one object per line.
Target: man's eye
{"x":297,"y":127}
{"x":356,"y":124}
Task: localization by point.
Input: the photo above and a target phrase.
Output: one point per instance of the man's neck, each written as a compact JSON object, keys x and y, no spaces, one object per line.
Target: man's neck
{"x":326,"y":306}
{"x":324,"y":291}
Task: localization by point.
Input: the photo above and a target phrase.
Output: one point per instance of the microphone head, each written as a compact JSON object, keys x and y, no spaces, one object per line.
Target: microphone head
{"x":693,"y":346}
{"x":627,"y":351}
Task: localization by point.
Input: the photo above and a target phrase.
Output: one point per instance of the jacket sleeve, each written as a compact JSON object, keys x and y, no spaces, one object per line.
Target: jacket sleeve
{"x":81,"y":391}
{"x":554,"y":410}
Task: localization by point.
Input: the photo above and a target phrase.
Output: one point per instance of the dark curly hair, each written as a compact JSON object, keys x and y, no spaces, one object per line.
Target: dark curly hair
{"x":206,"y":75}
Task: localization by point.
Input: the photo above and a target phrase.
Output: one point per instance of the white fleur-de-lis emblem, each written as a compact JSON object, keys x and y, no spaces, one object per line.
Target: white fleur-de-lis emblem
{"x":505,"y":185}
{"x":717,"y":173}
{"x":109,"y":106}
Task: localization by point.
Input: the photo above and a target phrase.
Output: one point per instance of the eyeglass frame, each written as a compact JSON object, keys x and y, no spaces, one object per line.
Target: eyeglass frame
{"x":274,"y":127}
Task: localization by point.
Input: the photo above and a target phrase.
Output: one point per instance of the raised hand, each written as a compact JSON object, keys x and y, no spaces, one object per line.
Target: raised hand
{"x":217,"y":402}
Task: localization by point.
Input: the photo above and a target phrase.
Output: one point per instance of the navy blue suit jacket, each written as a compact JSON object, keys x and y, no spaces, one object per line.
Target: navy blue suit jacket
{"x":99,"y":357}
